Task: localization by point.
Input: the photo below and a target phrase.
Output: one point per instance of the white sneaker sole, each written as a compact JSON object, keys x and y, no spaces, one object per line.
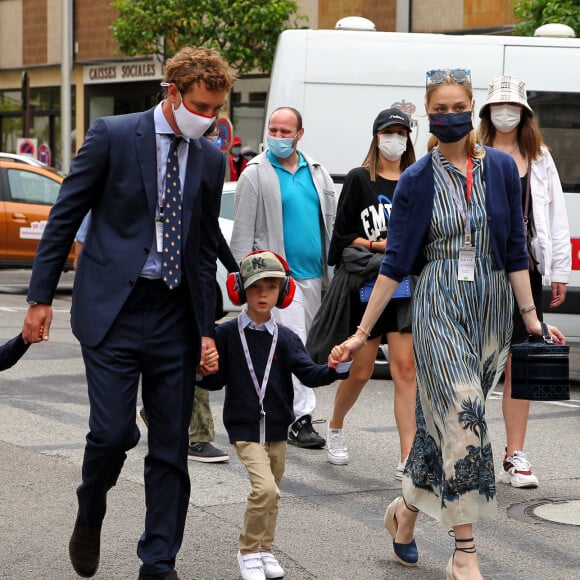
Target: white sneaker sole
{"x":336,"y":460}
{"x":518,"y":481}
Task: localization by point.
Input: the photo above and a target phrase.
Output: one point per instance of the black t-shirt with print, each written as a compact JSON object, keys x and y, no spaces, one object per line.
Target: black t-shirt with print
{"x":364,"y":208}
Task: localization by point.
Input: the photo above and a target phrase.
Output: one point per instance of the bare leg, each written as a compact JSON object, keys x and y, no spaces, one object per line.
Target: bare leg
{"x":349,"y":389}
{"x":402,"y":366}
{"x":406,"y":518}
{"x":515,"y":413}
{"x":464,"y":564}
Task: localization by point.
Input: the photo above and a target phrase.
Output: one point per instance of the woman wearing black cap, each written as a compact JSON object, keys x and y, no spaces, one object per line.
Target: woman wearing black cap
{"x":361,"y":225}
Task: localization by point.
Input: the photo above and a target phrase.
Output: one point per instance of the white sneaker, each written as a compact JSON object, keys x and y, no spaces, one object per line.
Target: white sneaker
{"x":251,"y":566}
{"x":401,"y":469}
{"x":517,"y":471}
{"x":336,"y":451}
{"x":271,"y":566}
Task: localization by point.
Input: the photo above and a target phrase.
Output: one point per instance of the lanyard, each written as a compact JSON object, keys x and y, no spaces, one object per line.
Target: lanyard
{"x":457,"y":195}
{"x":260,"y":389}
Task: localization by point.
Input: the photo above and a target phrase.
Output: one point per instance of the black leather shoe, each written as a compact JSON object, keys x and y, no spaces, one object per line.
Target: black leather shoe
{"x":169,"y":576}
{"x":302,"y":434}
{"x":84,"y":549}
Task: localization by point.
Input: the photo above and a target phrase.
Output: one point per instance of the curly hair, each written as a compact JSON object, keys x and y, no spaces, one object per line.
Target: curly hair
{"x":194,"y":65}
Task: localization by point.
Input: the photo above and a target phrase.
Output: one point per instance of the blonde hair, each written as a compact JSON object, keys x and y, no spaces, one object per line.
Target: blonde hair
{"x":194,"y":65}
{"x":472,"y":147}
{"x":372,"y":162}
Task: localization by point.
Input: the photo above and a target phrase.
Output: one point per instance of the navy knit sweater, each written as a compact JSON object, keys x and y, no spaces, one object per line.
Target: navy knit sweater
{"x":12,"y":351}
{"x":241,"y":406}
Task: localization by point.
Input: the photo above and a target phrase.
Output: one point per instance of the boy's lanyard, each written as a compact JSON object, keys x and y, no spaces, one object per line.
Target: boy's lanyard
{"x":260,"y":390}
{"x":466,"y":263}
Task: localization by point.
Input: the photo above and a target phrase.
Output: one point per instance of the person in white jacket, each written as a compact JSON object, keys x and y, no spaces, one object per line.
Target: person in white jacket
{"x":286,"y":203}
{"x":508,"y":124}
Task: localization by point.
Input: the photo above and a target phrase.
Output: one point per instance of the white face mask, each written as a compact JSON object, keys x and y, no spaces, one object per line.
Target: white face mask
{"x":192,"y":125}
{"x":505,"y":118}
{"x":392,"y":145}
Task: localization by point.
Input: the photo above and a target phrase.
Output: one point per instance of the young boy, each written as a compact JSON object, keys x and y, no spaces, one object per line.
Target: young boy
{"x":257,"y":360}
{"x":12,"y":351}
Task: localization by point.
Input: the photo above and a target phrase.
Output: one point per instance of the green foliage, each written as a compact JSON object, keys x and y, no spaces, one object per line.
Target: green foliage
{"x":530,"y":14}
{"x":244,"y":31}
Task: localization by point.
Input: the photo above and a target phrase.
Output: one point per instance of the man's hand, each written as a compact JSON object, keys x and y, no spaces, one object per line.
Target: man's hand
{"x":37,"y":323}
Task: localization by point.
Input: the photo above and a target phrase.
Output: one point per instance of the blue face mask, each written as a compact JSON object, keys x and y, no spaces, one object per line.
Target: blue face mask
{"x":236,"y":151}
{"x":450,"y":127}
{"x":281,"y":147}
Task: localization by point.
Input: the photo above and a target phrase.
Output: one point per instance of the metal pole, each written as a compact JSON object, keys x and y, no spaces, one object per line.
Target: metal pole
{"x":65,"y":90}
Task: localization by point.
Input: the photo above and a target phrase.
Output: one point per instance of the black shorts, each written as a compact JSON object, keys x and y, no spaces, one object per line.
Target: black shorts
{"x":395,"y":318}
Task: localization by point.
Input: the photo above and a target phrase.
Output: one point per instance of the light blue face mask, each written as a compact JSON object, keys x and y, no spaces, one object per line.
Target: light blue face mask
{"x":281,"y":147}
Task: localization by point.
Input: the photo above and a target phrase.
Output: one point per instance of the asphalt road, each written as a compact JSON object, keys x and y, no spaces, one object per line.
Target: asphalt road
{"x":331,"y":518}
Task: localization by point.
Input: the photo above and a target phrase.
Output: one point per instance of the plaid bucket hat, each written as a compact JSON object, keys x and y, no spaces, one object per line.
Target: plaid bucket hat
{"x":506,"y":89}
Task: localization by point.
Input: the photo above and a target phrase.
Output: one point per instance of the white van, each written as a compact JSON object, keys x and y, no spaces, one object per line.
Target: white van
{"x":340,"y":79}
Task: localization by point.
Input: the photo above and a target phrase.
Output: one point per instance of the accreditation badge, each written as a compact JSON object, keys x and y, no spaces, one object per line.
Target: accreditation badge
{"x":466,"y":269}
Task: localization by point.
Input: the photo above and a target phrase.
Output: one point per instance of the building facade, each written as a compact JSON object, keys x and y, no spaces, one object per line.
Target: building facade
{"x":106,"y":82}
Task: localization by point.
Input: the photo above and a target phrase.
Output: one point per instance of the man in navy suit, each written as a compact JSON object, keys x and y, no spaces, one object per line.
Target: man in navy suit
{"x":135,"y":322}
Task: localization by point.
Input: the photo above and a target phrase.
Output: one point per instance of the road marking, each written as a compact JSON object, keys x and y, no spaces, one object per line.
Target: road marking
{"x":573,"y":403}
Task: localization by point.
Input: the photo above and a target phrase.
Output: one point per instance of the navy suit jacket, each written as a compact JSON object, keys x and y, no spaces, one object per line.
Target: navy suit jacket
{"x":115,"y":176}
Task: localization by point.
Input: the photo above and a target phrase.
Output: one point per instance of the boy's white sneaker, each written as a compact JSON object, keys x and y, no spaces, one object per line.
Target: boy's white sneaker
{"x":336,"y":450}
{"x":251,"y":566}
{"x":271,"y":566}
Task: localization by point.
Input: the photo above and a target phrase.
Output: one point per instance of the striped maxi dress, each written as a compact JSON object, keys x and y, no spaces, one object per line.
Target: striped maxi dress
{"x":461,"y":334}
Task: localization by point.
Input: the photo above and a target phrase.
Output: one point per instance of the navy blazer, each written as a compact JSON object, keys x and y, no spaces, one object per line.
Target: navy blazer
{"x":115,"y":176}
{"x":410,"y":219}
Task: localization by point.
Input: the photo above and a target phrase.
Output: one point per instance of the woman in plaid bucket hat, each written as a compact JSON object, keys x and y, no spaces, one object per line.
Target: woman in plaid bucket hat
{"x":508,"y":124}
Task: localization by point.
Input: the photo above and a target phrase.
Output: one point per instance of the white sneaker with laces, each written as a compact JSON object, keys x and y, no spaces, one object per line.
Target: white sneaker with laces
{"x":251,"y":566}
{"x":517,"y":471}
{"x":336,"y":450}
{"x":401,"y":469}
{"x":271,"y":566}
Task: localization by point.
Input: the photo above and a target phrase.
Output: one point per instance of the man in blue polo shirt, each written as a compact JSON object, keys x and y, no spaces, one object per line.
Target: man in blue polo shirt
{"x":285,"y":202}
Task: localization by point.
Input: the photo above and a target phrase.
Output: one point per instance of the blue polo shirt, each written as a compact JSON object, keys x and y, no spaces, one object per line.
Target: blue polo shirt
{"x":301,"y":219}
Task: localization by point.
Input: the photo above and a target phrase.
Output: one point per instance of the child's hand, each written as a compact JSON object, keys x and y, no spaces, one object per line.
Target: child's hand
{"x":209,"y":363}
{"x":336,"y":355}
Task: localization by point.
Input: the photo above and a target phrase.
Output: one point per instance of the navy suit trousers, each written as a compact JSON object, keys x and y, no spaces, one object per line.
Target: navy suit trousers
{"x":150,"y":340}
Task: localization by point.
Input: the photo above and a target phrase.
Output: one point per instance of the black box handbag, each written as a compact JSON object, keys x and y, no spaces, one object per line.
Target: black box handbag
{"x":541,"y":370}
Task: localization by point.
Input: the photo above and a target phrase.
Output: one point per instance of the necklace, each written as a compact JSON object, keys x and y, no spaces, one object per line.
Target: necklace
{"x":511,"y":151}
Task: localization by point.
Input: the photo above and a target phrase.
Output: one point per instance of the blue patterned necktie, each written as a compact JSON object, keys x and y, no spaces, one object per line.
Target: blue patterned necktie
{"x":171,"y":258}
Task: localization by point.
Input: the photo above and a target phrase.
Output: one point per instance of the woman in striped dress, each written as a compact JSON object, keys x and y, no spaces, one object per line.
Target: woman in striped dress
{"x":457,"y":221}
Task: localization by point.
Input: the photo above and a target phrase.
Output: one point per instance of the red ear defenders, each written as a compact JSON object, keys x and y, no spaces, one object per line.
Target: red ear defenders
{"x":237,"y":294}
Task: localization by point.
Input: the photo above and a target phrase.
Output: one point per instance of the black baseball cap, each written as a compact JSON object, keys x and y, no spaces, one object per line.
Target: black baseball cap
{"x":390,"y":117}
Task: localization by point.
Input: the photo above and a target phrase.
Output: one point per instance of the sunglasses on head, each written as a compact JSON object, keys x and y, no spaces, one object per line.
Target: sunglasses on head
{"x":437,"y":76}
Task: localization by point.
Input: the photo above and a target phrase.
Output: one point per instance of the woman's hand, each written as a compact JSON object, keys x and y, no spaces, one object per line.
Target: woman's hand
{"x":558,"y":294}
{"x":534,"y":327}
{"x":349,"y":347}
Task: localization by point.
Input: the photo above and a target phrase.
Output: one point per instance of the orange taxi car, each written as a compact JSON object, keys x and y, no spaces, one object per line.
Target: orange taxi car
{"x":26,"y":195}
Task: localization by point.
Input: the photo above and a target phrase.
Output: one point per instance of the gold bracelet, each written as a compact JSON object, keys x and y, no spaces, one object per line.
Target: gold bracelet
{"x":363,"y":340}
{"x":527,"y":309}
{"x":365,"y":332}
{"x":371,"y":245}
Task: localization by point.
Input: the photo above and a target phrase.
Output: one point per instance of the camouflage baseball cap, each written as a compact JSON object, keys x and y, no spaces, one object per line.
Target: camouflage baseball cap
{"x":260,"y":265}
